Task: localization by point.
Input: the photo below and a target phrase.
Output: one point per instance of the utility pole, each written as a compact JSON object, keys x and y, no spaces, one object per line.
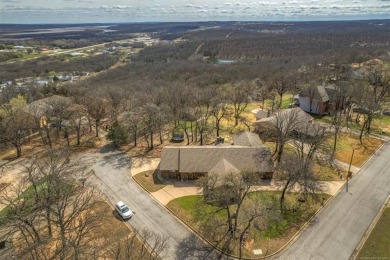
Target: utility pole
{"x":349,"y":174}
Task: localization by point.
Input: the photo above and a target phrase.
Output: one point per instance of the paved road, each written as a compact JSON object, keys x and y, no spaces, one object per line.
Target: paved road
{"x":111,"y":176}
{"x":336,"y":231}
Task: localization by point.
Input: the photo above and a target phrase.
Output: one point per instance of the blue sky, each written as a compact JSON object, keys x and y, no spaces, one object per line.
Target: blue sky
{"x":81,"y":11}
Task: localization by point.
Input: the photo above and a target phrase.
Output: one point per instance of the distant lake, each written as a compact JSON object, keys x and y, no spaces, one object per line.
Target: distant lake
{"x":225,"y":61}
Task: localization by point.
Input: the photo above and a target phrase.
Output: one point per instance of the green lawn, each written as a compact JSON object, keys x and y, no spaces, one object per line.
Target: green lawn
{"x":378,"y":125}
{"x":377,"y":245}
{"x":149,"y":181}
{"x":286,"y":101}
{"x":269,"y":232}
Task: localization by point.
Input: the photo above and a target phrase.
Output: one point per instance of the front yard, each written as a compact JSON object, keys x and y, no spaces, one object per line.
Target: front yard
{"x":269,"y":232}
{"x":149,"y":181}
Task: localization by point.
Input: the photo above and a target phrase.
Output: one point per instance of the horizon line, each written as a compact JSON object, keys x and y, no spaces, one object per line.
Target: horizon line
{"x":209,"y":21}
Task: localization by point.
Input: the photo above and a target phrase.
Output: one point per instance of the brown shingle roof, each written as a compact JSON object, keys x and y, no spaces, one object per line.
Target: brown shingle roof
{"x":246,"y":138}
{"x":201,"y":159}
{"x":222,"y":172}
{"x":170,"y":158}
{"x":223,"y":166}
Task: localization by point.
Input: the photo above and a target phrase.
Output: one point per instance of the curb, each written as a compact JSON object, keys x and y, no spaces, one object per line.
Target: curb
{"x":178,"y":218}
{"x":369,"y":230}
{"x":364,"y":164}
{"x":328,"y":201}
{"x":295,"y":236}
{"x":232,"y":256}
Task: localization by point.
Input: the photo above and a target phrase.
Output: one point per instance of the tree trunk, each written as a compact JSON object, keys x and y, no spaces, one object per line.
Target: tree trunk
{"x":49,"y":231}
{"x":361,"y":131}
{"x":280,"y":152}
{"x":97,"y":127}
{"x":78,"y":135}
{"x":336,"y":132}
{"x":135,"y":138}
{"x":18,"y":147}
{"x":243,"y":235}
{"x":151,"y":140}
{"x":281,"y":101}
{"x":192,"y":132}
{"x":161,"y":139}
{"x":67,"y":136}
{"x":47,"y":130}
{"x":217,"y":126}
{"x":283,"y":195}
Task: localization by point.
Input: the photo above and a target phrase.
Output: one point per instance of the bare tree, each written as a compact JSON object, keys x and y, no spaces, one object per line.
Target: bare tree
{"x":133,"y":121}
{"x":239,"y":96}
{"x":56,"y":204}
{"x":57,"y":109}
{"x":150,"y":114}
{"x":15,"y":123}
{"x":116,"y":98}
{"x":227,"y":192}
{"x":280,"y":84}
{"x":143,"y":244}
{"x":202,"y":112}
{"x":96,"y":108}
{"x":375,"y":91}
{"x":294,"y":170}
{"x":77,"y":117}
{"x":308,"y":139}
{"x":284,"y":123}
{"x":309,"y":91}
{"x":219,"y":110}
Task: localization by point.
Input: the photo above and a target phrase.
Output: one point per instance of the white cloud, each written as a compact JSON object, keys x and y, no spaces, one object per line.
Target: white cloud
{"x":177,"y":10}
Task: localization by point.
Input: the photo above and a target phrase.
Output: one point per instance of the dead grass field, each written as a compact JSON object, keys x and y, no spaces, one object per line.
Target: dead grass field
{"x":102,"y":240}
{"x":348,"y":142}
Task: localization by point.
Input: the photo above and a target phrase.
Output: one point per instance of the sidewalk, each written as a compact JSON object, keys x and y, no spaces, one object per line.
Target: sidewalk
{"x":177,"y":189}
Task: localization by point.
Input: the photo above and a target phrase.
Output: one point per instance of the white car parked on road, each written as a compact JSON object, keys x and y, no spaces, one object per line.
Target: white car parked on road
{"x":123,"y":210}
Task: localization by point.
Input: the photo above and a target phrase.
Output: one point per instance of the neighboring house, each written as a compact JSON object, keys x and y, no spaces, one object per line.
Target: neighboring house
{"x":321,"y":102}
{"x":295,"y":120}
{"x":41,"y":108}
{"x":193,"y":162}
{"x":262,"y":114}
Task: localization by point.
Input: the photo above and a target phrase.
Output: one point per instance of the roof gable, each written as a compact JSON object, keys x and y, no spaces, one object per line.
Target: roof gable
{"x":247,"y":138}
{"x":202,"y":159}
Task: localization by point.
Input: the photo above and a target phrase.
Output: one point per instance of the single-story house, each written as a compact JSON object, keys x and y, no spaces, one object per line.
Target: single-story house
{"x":294,"y":120}
{"x":262,"y":114}
{"x":193,"y":162}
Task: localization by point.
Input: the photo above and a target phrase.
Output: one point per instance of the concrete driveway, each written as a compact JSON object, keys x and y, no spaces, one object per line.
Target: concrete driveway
{"x":337,"y":230}
{"x":112,"y":170}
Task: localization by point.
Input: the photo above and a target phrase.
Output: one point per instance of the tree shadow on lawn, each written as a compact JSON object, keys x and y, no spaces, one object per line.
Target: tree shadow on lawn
{"x":193,"y":248}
